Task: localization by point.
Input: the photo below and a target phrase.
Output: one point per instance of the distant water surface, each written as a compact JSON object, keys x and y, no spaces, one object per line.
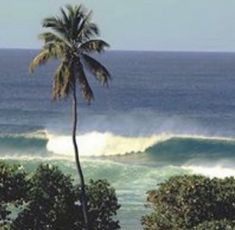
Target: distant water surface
{"x":164,"y":114}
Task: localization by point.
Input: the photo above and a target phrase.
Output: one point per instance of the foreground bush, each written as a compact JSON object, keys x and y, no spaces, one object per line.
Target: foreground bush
{"x":216,"y":225}
{"x":13,"y":190}
{"x":184,"y":202}
{"x":52,"y":202}
{"x":102,"y":205}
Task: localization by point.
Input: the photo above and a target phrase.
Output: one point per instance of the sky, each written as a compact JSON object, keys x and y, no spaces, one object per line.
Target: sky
{"x":171,"y":25}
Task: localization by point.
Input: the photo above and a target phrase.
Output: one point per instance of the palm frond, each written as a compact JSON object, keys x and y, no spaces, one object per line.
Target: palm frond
{"x":52,"y":50}
{"x":43,"y":56}
{"x":83,"y":82}
{"x":85,"y":19}
{"x":87,"y":29}
{"x":57,"y":49}
{"x":76,"y":15}
{"x":91,"y":29}
{"x":61,"y":81}
{"x":49,"y":37}
{"x":97,"y":69}
{"x":94,"y":46}
{"x":57,"y":25}
{"x":65,"y":18}
{"x":75,"y":11}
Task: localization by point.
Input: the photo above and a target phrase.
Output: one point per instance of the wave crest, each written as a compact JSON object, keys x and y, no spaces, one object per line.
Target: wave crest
{"x":103,"y":144}
{"x":161,"y":147}
{"x":218,"y":170}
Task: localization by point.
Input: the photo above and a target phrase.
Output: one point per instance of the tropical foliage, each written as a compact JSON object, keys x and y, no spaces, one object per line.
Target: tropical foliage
{"x":71,"y":40}
{"x":188,"y":202}
{"x":48,"y":199}
{"x":13,"y":190}
{"x":216,"y":225}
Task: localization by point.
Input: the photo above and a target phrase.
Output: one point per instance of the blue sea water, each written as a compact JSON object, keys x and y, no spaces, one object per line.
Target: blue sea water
{"x":164,"y":114}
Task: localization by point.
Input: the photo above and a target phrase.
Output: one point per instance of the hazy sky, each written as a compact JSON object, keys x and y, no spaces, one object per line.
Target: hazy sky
{"x":193,"y":25}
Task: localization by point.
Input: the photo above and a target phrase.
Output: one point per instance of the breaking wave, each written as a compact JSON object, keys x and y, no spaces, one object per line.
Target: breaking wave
{"x":162,"y":146}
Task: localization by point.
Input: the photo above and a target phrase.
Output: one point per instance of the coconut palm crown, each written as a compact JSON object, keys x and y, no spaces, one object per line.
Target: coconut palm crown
{"x":72,"y":37}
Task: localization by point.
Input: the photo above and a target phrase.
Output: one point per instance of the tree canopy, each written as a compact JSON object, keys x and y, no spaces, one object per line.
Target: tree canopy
{"x":188,"y":202}
{"x":71,"y":39}
{"x":49,"y":199}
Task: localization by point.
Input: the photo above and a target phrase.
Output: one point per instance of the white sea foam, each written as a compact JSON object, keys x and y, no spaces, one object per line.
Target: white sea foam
{"x":218,"y":170}
{"x":108,"y":144}
{"x":102,"y":144}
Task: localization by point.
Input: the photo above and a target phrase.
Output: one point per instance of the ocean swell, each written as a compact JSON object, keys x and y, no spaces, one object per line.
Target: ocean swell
{"x":161,"y":147}
{"x":23,"y":144}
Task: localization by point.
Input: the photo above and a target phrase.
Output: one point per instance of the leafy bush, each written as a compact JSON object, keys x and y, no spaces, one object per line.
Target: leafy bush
{"x":216,"y":225}
{"x":13,"y":190}
{"x":184,"y":202}
{"x":52,"y":201}
{"x":102,"y":205}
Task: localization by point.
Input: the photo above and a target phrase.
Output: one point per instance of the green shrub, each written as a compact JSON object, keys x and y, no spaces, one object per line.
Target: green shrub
{"x":52,"y":201}
{"x":184,"y":202}
{"x":216,"y":225}
{"x":13,"y":190}
{"x":102,"y":205}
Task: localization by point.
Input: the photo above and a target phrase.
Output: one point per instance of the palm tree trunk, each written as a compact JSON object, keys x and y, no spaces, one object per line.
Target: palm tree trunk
{"x":79,"y":169}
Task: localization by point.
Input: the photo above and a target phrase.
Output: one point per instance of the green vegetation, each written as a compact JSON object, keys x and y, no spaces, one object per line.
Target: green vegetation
{"x":48,"y":200}
{"x":216,"y":225}
{"x":13,"y":190}
{"x":72,"y":36}
{"x":192,"y":202}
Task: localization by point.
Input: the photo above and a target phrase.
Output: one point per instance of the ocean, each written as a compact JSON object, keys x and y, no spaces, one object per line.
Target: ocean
{"x":163,"y":114}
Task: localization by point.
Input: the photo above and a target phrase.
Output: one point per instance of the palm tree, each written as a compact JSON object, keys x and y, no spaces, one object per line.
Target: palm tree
{"x":71,"y":38}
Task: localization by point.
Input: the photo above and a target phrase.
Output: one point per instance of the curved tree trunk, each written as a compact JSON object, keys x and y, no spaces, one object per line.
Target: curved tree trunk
{"x":79,"y":169}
